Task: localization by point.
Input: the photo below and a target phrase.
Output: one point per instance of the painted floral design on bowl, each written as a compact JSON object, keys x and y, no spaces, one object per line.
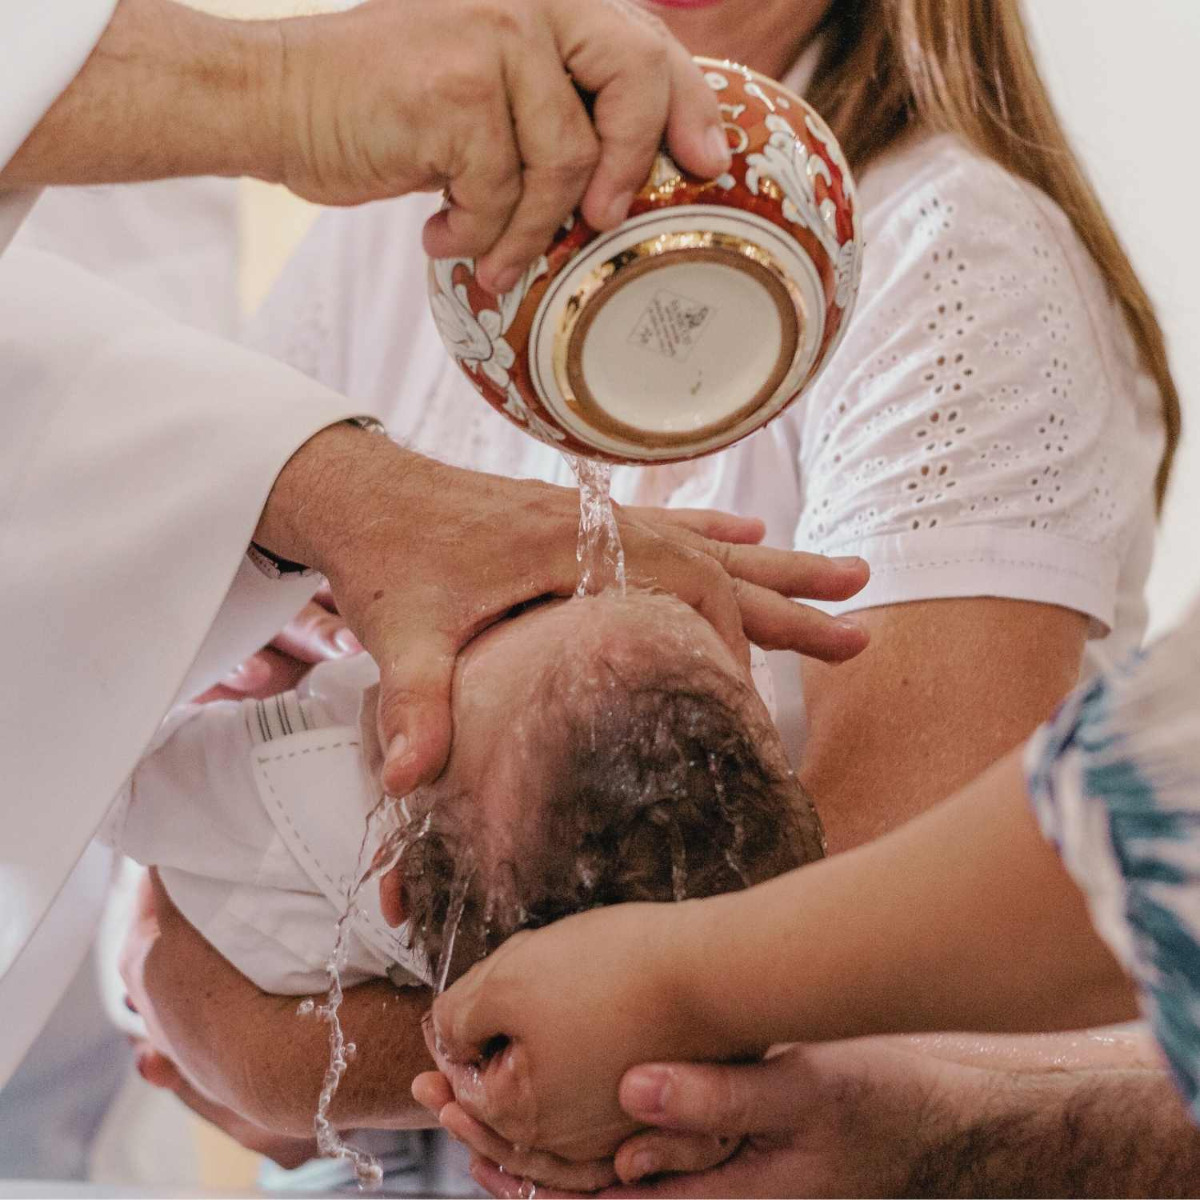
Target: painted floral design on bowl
{"x":702,"y":317}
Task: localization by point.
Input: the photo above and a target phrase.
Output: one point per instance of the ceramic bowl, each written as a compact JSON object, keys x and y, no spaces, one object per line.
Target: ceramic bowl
{"x":695,"y":322}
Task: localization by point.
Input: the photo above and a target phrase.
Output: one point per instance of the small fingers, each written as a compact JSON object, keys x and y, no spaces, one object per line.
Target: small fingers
{"x":246,"y":679}
{"x":461,"y":1023}
{"x":316,"y":634}
{"x":656,"y":1151}
{"x":497,"y":1182}
{"x":432,"y":1090}
{"x":494,"y":1086}
{"x":267,"y":673}
{"x":536,"y":1165}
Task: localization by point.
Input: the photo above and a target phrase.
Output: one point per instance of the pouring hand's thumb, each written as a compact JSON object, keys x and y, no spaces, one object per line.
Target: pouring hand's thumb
{"x":414,"y":716}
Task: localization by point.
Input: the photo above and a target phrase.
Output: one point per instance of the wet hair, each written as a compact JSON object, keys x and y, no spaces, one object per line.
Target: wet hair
{"x":654,"y":788}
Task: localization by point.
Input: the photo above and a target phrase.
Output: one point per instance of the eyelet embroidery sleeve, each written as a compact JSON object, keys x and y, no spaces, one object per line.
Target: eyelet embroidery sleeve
{"x":1114,"y":780}
{"x":982,"y":430}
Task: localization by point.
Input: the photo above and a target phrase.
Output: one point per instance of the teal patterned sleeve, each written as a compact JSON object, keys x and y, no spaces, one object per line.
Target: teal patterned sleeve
{"x":1114,"y":779}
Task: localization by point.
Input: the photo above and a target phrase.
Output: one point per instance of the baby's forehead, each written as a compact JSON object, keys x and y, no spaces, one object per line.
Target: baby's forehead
{"x":637,"y":618}
{"x":564,"y":663}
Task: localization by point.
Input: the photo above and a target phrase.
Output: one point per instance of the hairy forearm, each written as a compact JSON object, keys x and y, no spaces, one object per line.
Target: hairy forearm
{"x":285,"y":1063}
{"x":333,"y":485}
{"x":256,"y":1054}
{"x":166,"y":92}
{"x":1094,"y":1133}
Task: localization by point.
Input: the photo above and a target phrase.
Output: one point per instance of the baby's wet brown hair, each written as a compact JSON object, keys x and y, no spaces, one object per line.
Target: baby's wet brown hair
{"x":650,"y":788}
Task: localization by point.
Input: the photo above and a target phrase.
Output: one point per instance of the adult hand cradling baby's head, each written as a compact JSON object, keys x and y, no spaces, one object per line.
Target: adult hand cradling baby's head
{"x":508,"y":542}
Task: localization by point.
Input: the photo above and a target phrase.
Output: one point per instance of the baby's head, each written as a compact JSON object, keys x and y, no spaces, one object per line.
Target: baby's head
{"x":606,"y":749}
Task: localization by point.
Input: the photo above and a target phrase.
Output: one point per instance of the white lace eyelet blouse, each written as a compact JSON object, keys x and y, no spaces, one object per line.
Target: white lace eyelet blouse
{"x":985,"y":428}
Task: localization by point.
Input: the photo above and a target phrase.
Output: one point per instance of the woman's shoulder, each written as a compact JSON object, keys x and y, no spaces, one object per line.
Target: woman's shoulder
{"x":987,"y":412}
{"x":937,"y":187}
{"x":948,"y":227}
{"x":923,"y":164}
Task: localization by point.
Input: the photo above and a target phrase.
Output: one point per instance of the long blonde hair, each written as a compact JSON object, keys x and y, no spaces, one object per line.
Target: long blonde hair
{"x":966,"y":67}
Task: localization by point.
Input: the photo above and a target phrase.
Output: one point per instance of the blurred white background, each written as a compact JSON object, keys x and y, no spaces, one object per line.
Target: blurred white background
{"x":1125,"y":79}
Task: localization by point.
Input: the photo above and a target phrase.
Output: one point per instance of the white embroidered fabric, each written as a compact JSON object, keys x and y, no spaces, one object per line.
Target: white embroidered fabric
{"x":987,"y":383}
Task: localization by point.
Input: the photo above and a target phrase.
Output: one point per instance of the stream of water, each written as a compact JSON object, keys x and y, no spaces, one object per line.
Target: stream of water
{"x":599,"y":551}
{"x":601,"y":559}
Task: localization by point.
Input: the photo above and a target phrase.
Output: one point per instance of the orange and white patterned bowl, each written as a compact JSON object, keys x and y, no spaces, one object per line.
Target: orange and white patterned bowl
{"x":696,"y":321}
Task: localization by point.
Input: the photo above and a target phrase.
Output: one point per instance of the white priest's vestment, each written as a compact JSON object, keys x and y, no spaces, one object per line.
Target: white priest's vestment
{"x":135,"y":457}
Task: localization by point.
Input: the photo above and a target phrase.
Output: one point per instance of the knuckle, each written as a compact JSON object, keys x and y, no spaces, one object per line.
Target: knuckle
{"x":566,"y":175}
{"x":474,"y":242}
{"x":460,"y":86}
{"x":715,"y":575}
{"x":495,"y":168}
{"x":729,"y":1108}
{"x":498,"y":18}
{"x":721,"y":552}
{"x":579,"y":156}
{"x":655,"y":49}
{"x":474,"y":235}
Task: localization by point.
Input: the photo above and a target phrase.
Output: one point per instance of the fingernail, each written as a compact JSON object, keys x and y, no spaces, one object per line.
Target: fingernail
{"x":717,"y":142}
{"x":347,"y":643}
{"x":643,"y":1093}
{"x":849,"y":560}
{"x":641,"y":1165}
{"x":505,"y":280}
{"x":250,"y":674}
{"x":618,"y":210}
{"x":397,"y":750}
{"x":849,"y":623}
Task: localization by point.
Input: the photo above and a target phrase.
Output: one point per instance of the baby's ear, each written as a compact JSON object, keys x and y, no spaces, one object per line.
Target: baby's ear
{"x":372,"y":747}
{"x":391,"y":897}
{"x":391,"y":885}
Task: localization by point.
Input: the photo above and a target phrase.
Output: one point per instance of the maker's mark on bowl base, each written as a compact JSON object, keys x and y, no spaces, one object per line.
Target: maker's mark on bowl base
{"x":680,"y":346}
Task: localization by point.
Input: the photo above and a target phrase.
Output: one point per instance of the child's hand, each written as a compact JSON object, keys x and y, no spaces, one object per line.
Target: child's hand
{"x":535,"y":1039}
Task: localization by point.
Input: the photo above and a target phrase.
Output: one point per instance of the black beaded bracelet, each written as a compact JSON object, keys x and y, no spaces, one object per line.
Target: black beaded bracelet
{"x":272,"y":565}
